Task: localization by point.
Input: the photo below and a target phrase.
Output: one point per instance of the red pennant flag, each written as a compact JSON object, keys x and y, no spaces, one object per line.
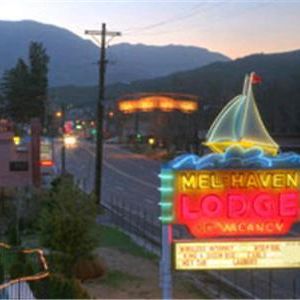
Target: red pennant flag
{"x":256,"y":79}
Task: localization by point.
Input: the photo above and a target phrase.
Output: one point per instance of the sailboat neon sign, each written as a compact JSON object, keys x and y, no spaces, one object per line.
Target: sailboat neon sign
{"x":240,"y":124}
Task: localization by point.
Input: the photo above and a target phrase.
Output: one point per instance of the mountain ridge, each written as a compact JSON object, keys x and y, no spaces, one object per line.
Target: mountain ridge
{"x":73,"y":59}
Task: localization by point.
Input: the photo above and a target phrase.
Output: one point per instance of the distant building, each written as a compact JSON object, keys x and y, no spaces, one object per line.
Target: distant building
{"x":19,"y":159}
{"x":169,"y":117}
{"x":15,"y":162}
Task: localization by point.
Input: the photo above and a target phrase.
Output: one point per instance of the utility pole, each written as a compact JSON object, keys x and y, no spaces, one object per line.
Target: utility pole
{"x":63,"y":147}
{"x":100,"y":110}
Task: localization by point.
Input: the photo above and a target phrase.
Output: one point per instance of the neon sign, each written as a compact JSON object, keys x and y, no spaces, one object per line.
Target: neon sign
{"x":232,"y":203}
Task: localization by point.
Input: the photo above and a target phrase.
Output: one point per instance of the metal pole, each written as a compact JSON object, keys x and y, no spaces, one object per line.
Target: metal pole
{"x":100,"y":110}
{"x":136,"y":124}
{"x":270,"y":284}
{"x":165,"y":263}
{"x":63,"y":147}
{"x":99,"y":118}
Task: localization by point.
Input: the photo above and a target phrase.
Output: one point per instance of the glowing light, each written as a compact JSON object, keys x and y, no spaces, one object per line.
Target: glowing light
{"x":58,"y":114}
{"x":187,"y":106}
{"x":43,"y":274}
{"x":166,"y":219}
{"x":240,"y":123}
{"x":165,"y":176}
{"x":163,"y":103}
{"x":237,"y":202}
{"x":46,"y":163}
{"x":151,"y":141}
{"x":165,"y":190}
{"x":17,"y":140}
{"x":70,"y":140}
{"x":166,"y":204}
{"x":210,"y":255}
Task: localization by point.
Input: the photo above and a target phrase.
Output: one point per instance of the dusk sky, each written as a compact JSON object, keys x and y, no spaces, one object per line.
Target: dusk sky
{"x":235,"y":28}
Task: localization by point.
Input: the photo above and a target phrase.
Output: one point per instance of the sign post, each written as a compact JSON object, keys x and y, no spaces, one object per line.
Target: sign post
{"x":165,"y":264}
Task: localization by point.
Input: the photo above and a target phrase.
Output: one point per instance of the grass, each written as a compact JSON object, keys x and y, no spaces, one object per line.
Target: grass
{"x":116,"y":278}
{"x":114,"y":238}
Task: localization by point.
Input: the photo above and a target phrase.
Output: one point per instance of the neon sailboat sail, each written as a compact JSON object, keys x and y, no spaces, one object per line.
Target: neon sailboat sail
{"x":240,"y":123}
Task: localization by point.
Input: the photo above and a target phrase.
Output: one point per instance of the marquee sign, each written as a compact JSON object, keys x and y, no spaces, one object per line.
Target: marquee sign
{"x":236,"y":255}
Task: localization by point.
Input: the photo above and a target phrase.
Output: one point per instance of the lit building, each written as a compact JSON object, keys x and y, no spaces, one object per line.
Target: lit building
{"x":168,"y":117}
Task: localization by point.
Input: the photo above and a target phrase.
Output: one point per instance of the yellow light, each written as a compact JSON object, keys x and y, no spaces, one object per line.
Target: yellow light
{"x":226,"y":255}
{"x":127,"y":106}
{"x":167,"y":104}
{"x":58,"y":114}
{"x":163,"y":103}
{"x":70,"y":140}
{"x":151,"y":141}
{"x":17,"y":140}
{"x":147,"y":104}
{"x":187,"y":106}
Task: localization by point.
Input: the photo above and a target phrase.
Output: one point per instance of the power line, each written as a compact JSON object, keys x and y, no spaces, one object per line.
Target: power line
{"x":173,"y":19}
{"x":218,"y":3}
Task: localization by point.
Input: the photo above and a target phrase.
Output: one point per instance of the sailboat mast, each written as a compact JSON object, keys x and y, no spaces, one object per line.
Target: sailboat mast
{"x":246,"y":83}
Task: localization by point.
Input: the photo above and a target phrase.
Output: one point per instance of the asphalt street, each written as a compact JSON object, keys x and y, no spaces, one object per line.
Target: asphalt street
{"x":132,"y":178}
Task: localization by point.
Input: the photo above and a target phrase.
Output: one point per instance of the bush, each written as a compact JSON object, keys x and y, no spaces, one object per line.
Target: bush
{"x":17,"y":269}
{"x":89,"y":268}
{"x":68,"y":224}
{"x":57,"y":286}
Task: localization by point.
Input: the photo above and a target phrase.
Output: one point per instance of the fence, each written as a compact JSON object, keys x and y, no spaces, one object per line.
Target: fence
{"x":144,"y":225}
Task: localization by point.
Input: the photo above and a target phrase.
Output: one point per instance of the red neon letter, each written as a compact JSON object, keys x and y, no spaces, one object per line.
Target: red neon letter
{"x":211,"y":206}
{"x":288,"y":204}
{"x":263,"y":205}
{"x":186,"y":211}
{"x":237,"y":205}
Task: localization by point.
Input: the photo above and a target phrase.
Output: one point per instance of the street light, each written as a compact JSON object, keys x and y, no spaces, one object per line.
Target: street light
{"x":58,"y":114}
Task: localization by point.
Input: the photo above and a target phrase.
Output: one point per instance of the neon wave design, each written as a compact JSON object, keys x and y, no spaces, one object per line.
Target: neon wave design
{"x":235,"y":157}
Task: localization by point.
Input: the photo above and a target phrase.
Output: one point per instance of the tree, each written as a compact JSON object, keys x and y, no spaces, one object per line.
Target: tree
{"x":39,"y":60}
{"x":24,"y":87}
{"x":16,"y":92}
{"x":67,"y":224}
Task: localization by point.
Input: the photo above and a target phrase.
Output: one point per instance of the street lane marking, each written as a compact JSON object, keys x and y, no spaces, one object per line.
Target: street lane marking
{"x":122,"y":172}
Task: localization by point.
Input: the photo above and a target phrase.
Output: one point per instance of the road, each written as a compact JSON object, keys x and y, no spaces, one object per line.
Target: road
{"x":132,"y":178}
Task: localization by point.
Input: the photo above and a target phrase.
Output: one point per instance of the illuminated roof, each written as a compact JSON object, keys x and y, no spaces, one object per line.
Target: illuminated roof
{"x":147,"y":102}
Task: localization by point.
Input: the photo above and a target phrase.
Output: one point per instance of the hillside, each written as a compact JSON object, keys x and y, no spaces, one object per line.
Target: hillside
{"x":73,"y":59}
{"x":277,"y":97}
